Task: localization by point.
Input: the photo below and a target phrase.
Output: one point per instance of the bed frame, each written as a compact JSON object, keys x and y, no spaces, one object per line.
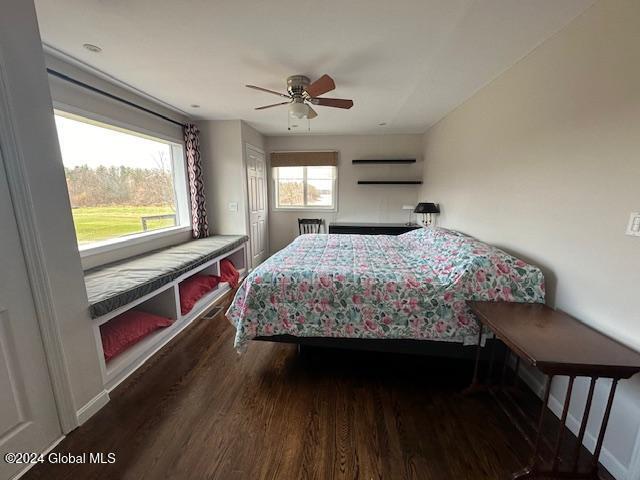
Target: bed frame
{"x":414,"y":347}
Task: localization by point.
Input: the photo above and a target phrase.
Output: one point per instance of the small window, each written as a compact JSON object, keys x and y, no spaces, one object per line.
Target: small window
{"x":311,"y":188}
{"x":121,"y":184}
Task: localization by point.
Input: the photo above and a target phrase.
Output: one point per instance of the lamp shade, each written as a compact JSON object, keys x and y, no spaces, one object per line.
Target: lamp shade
{"x":298,"y":109}
{"x":427,"y":208}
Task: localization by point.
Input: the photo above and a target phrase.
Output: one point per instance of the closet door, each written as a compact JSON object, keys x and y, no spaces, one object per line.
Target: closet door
{"x":257,"y":191}
{"x":28,"y":416}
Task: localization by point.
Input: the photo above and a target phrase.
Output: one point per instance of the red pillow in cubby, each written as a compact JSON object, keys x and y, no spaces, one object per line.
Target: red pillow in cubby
{"x":127,"y":329}
{"x":229,"y":273}
{"x":194,"y":288}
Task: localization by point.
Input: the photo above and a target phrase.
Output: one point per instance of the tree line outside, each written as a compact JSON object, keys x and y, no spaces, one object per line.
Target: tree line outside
{"x":109,"y":186}
{"x":292,"y":193}
{"x":109,"y":202}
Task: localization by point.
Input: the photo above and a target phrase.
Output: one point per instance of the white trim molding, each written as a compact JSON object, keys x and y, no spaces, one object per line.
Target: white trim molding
{"x":92,"y":406}
{"x":34,"y":259}
{"x":120,"y":243}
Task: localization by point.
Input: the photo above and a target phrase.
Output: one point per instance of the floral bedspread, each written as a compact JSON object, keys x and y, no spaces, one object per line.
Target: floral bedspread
{"x":377,"y":286}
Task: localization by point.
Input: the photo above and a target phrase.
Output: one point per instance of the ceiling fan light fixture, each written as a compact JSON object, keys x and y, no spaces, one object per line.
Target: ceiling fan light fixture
{"x":302,"y":95}
{"x":298,"y":110}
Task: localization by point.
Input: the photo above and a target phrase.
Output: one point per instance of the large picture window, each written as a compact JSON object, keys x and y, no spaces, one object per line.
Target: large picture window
{"x":311,"y":188}
{"x":121,"y":184}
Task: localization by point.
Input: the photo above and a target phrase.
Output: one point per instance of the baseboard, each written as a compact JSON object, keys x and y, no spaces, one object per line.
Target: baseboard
{"x":610,"y":462}
{"x":30,"y":466}
{"x":92,"y":407}
{"x":633,"y":472}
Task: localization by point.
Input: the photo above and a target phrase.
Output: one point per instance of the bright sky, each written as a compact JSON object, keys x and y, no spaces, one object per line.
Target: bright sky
{"x":86,"y":144}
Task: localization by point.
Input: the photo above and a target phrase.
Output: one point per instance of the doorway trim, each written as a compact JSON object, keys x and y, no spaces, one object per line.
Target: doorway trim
{"x":34,"y":259}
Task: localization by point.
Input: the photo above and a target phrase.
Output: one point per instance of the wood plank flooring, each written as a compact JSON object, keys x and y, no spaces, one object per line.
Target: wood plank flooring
{"x":199,"y":410}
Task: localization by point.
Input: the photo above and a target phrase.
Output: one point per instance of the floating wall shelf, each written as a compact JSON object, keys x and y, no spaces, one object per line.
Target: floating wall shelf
{"x":406,"y":160}
{"x":389,"y":182}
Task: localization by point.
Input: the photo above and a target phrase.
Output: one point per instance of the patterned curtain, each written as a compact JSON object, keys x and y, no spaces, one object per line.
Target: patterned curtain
{"x":196,"y":186}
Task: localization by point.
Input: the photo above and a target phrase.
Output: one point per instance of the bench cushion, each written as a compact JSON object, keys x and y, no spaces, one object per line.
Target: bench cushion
{"x":114,"y":285}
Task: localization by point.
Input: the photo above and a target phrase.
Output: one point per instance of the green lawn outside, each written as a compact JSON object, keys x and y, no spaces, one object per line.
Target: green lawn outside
{"x":100,"y":223}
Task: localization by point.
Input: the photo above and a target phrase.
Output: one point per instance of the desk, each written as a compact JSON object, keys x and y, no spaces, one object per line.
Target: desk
{"x":556,"y":344}
{"x":372,"y":228}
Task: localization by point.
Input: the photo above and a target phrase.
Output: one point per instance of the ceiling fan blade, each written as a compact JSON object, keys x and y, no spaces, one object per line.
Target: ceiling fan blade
{"x":273,"y":105}
{"x":312,"y":113}
{"x":268,"y":91}
{"x":332,"y":102}
{"x":321,"y":86}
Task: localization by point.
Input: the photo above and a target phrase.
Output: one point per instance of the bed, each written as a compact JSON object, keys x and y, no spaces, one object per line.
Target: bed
{"x":408,"y":287}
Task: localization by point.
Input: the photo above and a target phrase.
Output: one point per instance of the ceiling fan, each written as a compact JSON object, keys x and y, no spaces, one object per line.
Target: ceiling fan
{"x":302,"y":94}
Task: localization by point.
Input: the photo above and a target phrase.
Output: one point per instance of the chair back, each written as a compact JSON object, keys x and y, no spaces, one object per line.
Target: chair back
{"x":309,"y":225}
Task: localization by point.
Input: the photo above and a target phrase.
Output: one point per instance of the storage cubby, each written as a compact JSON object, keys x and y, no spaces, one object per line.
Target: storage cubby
{"x":208,"y":269}
{"x":238,"y":259}
{"x":163,"y":302}
{"x":206,"y":301}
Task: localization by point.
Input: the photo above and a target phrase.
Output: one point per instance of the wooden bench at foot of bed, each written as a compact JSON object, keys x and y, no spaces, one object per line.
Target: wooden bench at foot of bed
{"x":151,"y":283}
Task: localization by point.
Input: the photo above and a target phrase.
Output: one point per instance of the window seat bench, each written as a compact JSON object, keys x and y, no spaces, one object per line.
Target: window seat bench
{"x":118,"y":284}
{"x":151,"y":283}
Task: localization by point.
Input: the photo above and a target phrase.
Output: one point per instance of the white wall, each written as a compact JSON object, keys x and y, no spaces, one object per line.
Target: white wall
{"x":22,"y":63}
{"x":222,"y":144}
{"x":545,"y":162}
{"x":356,"y":203}
{"x":251,"y":136}
{"x":75,"y":99}
{"x":221,"y":153}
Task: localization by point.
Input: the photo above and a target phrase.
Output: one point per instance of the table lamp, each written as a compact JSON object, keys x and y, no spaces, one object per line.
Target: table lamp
{"x":427,"y":209}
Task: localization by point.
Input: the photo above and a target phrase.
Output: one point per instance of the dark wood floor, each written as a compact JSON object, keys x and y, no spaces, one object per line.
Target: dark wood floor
{"x":201,"y":411}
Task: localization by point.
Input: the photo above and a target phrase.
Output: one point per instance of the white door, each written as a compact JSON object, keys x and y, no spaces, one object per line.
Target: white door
{"x":28,"y":416}
{"x":257,"y":190}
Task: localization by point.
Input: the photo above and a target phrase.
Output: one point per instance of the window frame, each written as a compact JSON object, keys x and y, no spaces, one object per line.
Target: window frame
{"x":306,"y":208}
{"x":180,"y":181}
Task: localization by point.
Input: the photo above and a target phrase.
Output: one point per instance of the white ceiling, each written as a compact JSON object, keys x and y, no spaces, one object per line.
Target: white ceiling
{"x":405,"y":62}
